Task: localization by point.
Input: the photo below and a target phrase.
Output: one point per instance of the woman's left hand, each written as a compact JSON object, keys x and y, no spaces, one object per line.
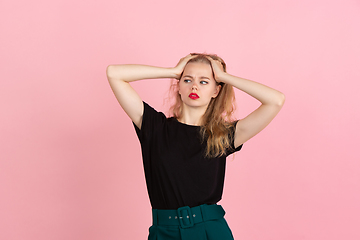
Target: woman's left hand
{"x":218,"y":69}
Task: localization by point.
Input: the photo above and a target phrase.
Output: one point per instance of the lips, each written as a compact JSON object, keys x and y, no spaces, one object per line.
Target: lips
{"x":193,"y":96}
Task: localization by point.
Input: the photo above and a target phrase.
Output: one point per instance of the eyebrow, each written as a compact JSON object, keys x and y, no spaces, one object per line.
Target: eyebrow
{"x":202,"y":77}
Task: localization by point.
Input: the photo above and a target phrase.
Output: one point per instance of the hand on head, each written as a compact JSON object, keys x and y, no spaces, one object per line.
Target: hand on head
{"x":217,"y":68}
{"x":216,"y":65}
{"x":181,"y":64}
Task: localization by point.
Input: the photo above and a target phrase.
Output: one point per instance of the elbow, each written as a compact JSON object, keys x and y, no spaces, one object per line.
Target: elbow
{"x":109,"y":71}
{"x":280,"y":100}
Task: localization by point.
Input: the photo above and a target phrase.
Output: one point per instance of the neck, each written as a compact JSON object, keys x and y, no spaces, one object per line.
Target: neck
{"x":191,"y":115}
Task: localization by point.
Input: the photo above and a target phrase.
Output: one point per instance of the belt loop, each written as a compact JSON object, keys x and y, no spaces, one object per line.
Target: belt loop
{"x":155,"y":217}
{"x":203,"y":211}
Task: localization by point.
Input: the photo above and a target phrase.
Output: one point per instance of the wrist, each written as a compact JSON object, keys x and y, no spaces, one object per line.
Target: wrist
{"x":173,"y":72}
{"x":223,"y":77}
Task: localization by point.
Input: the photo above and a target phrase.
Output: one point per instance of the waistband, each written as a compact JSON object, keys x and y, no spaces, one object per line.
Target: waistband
{"x":186,"y":217}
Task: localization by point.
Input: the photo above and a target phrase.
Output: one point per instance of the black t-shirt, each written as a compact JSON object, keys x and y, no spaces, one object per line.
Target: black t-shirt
{"x":176,"y":171}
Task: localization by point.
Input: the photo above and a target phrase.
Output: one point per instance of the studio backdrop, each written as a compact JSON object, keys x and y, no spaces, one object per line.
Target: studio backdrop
{"x":70,"y":161}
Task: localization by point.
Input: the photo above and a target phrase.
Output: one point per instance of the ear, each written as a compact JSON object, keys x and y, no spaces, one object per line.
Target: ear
{"x":178,"y":87}
{"x":217,"y":90}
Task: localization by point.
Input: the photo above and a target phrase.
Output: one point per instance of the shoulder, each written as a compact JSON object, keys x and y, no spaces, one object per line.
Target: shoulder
{"x":152,"y":111}
{"x":151,"y":116}
{"x":151,"y":122}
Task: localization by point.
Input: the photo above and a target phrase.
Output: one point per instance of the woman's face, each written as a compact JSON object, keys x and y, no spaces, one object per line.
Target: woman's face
{"x":197,"y":85}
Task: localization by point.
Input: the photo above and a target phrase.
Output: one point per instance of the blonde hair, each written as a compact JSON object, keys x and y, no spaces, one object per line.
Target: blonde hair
{"x":217,"y":120}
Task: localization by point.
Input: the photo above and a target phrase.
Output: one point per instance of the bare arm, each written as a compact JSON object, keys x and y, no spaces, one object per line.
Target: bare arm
{"x":119,"y":77}
{"x":271,"y":103}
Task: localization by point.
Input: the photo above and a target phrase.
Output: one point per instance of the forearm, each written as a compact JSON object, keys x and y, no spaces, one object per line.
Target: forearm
{"x":264,"y":94}
{"x":134,"y":72}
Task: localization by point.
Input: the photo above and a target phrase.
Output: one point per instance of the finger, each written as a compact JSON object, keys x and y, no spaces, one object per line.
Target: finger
{"x":213,"y":62}
{"x":191,"y":56}
{"x":216,"y":64}
{"x":187,"y":58}
{"x":219,"y":63}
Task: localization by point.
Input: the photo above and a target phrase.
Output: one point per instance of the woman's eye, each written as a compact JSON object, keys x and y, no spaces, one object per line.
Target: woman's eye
{"x":187,"y":80}
{"x":204,"y":82}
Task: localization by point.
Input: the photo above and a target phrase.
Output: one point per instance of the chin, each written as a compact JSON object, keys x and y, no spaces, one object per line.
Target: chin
{"x":193,"y":103}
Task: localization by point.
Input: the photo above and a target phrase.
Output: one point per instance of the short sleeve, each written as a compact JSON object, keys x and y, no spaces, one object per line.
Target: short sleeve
{"x":232,"y":137}
{"x":151,"y":120}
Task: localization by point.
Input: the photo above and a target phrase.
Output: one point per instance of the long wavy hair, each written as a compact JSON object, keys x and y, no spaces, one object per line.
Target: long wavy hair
{"x":217,"y":121}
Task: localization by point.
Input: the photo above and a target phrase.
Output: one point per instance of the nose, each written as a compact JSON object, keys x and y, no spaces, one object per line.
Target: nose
{"x":194,"y":86}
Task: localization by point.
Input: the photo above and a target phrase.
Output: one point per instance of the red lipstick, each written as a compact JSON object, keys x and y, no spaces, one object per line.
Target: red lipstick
{"x":193,"y":96}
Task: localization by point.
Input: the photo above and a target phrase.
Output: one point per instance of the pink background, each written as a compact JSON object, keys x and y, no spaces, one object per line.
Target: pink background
{"x":70,"y":163}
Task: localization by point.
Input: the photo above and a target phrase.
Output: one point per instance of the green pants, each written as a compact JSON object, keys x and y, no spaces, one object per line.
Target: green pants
{"x":205,"y":222}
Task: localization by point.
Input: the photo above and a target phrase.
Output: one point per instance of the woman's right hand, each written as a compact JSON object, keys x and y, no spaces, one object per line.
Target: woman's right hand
{"x":178,"y":70}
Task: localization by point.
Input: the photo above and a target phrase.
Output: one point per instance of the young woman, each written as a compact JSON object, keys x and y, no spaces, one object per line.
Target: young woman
{"x":184,"y":155}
